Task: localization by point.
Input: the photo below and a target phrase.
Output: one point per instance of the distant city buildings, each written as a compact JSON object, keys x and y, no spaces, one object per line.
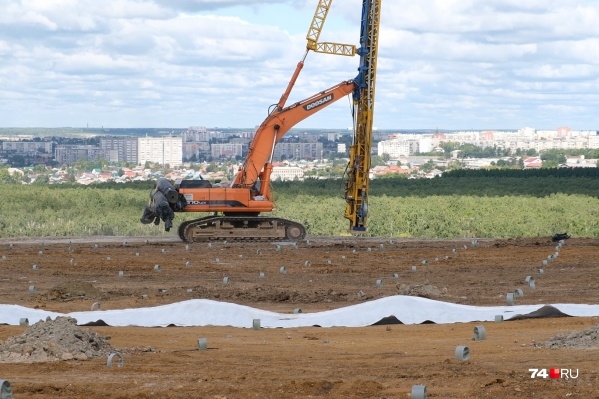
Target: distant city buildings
{"x":197,"y":134}
{"x":287,"y":173}
{"x":120,"y":149}
{"x":402,"y":145}
{"x":192,"y":151}
{"x":199,"y":144}
{"x":69,"y":154}
{"x":285,"y":150}
{"x":398,"y":145}
{"x":160,"y":150}
{"x":226,"y":151}
{"x":28,"y":147}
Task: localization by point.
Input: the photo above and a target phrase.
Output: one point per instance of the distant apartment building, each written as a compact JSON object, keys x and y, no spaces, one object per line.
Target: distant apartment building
{"x":196,"y":133}
{"x":197,"y":142}
{"x":226,"y":151}
{"x":160,"y":150}
{"x":298,"y":151}
{"x":397,"y":148}
{"x":286,"y":173}
{"x":69,"y":154}
{"x":333,"y":136}
{"x":28,"y":147}
{"x":402,"y":145}
{"x":119,"y":149}
{"x":192,"y":150}
{"x":199,"y":133}
{"x":527,"y":138}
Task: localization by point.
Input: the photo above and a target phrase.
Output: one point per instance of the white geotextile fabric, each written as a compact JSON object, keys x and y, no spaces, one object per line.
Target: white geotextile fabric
{"x":205,"y":312}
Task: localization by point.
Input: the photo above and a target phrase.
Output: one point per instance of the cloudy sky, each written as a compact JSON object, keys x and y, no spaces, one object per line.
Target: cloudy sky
{"x":447,"y":64}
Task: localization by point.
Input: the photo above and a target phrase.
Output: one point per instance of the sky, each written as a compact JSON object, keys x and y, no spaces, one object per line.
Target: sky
{"x":443,"y":64}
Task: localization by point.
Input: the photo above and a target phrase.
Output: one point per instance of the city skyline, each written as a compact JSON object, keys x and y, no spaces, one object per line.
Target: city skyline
{"x":156,"y":63}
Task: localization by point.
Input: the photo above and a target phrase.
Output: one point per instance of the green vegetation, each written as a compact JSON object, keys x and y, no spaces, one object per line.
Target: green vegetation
{"x":483,"y":203}
{"x":472,"y":151}
{"x":46,"y":211}
{"x":453,"y":216}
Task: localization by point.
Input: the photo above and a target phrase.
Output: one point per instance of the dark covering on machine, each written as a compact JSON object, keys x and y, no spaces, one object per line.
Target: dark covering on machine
{"x":165,"y":200}
{"x":560,"y":236}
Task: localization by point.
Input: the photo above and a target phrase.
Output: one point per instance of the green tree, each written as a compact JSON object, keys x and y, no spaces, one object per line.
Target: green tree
{"x":550,"y":164}
{"x":428,"y":166}
{"x":448,"y":148}
{"x":454,"y":165}
{"x":377,"y":161}
{"x":5,"y":177}
{"x":42,"y":180}
{"x":554,"y":156}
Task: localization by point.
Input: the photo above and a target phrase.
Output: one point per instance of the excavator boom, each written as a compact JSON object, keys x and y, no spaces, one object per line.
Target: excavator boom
{"x":278,"y":123}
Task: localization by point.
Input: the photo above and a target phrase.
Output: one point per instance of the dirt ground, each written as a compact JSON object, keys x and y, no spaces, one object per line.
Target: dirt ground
{"x":326,"y":273}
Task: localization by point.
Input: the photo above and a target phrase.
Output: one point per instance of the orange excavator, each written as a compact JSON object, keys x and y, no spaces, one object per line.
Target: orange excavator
{"x":236,"y":209}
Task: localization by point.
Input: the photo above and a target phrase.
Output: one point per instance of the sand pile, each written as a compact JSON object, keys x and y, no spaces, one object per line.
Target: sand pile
{"x":74,"y":290}
{"x":53,"y":340}
{"x":585,"y":339}
{"x":424,"y":290}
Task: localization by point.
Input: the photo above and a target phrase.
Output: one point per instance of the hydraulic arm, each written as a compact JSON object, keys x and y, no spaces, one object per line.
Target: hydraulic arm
{"x":277,"y":124}
{"x":280,"y":119}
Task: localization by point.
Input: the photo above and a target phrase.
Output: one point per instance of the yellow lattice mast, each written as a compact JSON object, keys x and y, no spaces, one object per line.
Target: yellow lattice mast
{"x":357,"y":181}
{"x":320,"y":16}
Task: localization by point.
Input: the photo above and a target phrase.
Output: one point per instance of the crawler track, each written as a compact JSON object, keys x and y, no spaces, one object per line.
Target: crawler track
{"x":241,"y":228}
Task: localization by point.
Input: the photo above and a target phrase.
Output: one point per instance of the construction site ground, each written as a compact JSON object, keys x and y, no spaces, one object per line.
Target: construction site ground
{"x":382,"y":361}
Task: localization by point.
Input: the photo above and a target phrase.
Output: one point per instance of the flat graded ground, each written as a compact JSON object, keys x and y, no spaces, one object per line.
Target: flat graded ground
{"x":382,"y":361}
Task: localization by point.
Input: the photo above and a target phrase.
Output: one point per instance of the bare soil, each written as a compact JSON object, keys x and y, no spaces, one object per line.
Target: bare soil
{"x":328,"y":273}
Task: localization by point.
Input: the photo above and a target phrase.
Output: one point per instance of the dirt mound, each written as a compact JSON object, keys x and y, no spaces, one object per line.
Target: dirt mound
{"x":424,"y":290}
{"x":53,"y":340}
{"x":545,"y":311}
{"x":585,"y":339}
{"x":73,"y":290}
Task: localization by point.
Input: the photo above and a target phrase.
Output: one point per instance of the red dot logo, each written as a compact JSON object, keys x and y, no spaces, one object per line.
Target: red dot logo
{"x":554,"y":373}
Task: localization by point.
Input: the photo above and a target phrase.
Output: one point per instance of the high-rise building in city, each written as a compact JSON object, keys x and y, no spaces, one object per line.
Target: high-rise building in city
{"x":161,"y":150}
{"x":228,"y":150}
{"x":119,"y":149}
{"x":401,"y":147}
{"x":28,"y":146}
{"x":69,"y":154}
{"x":298,"y":151}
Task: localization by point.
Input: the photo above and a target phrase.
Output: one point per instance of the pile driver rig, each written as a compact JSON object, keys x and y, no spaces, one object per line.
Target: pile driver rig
{"x":236,"y":209}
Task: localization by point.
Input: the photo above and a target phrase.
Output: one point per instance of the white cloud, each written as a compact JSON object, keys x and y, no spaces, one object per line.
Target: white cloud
{"x":442,"y":63}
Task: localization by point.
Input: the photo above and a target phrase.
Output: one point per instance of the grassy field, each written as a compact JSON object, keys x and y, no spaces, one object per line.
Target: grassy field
{"x":500,"y":207}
